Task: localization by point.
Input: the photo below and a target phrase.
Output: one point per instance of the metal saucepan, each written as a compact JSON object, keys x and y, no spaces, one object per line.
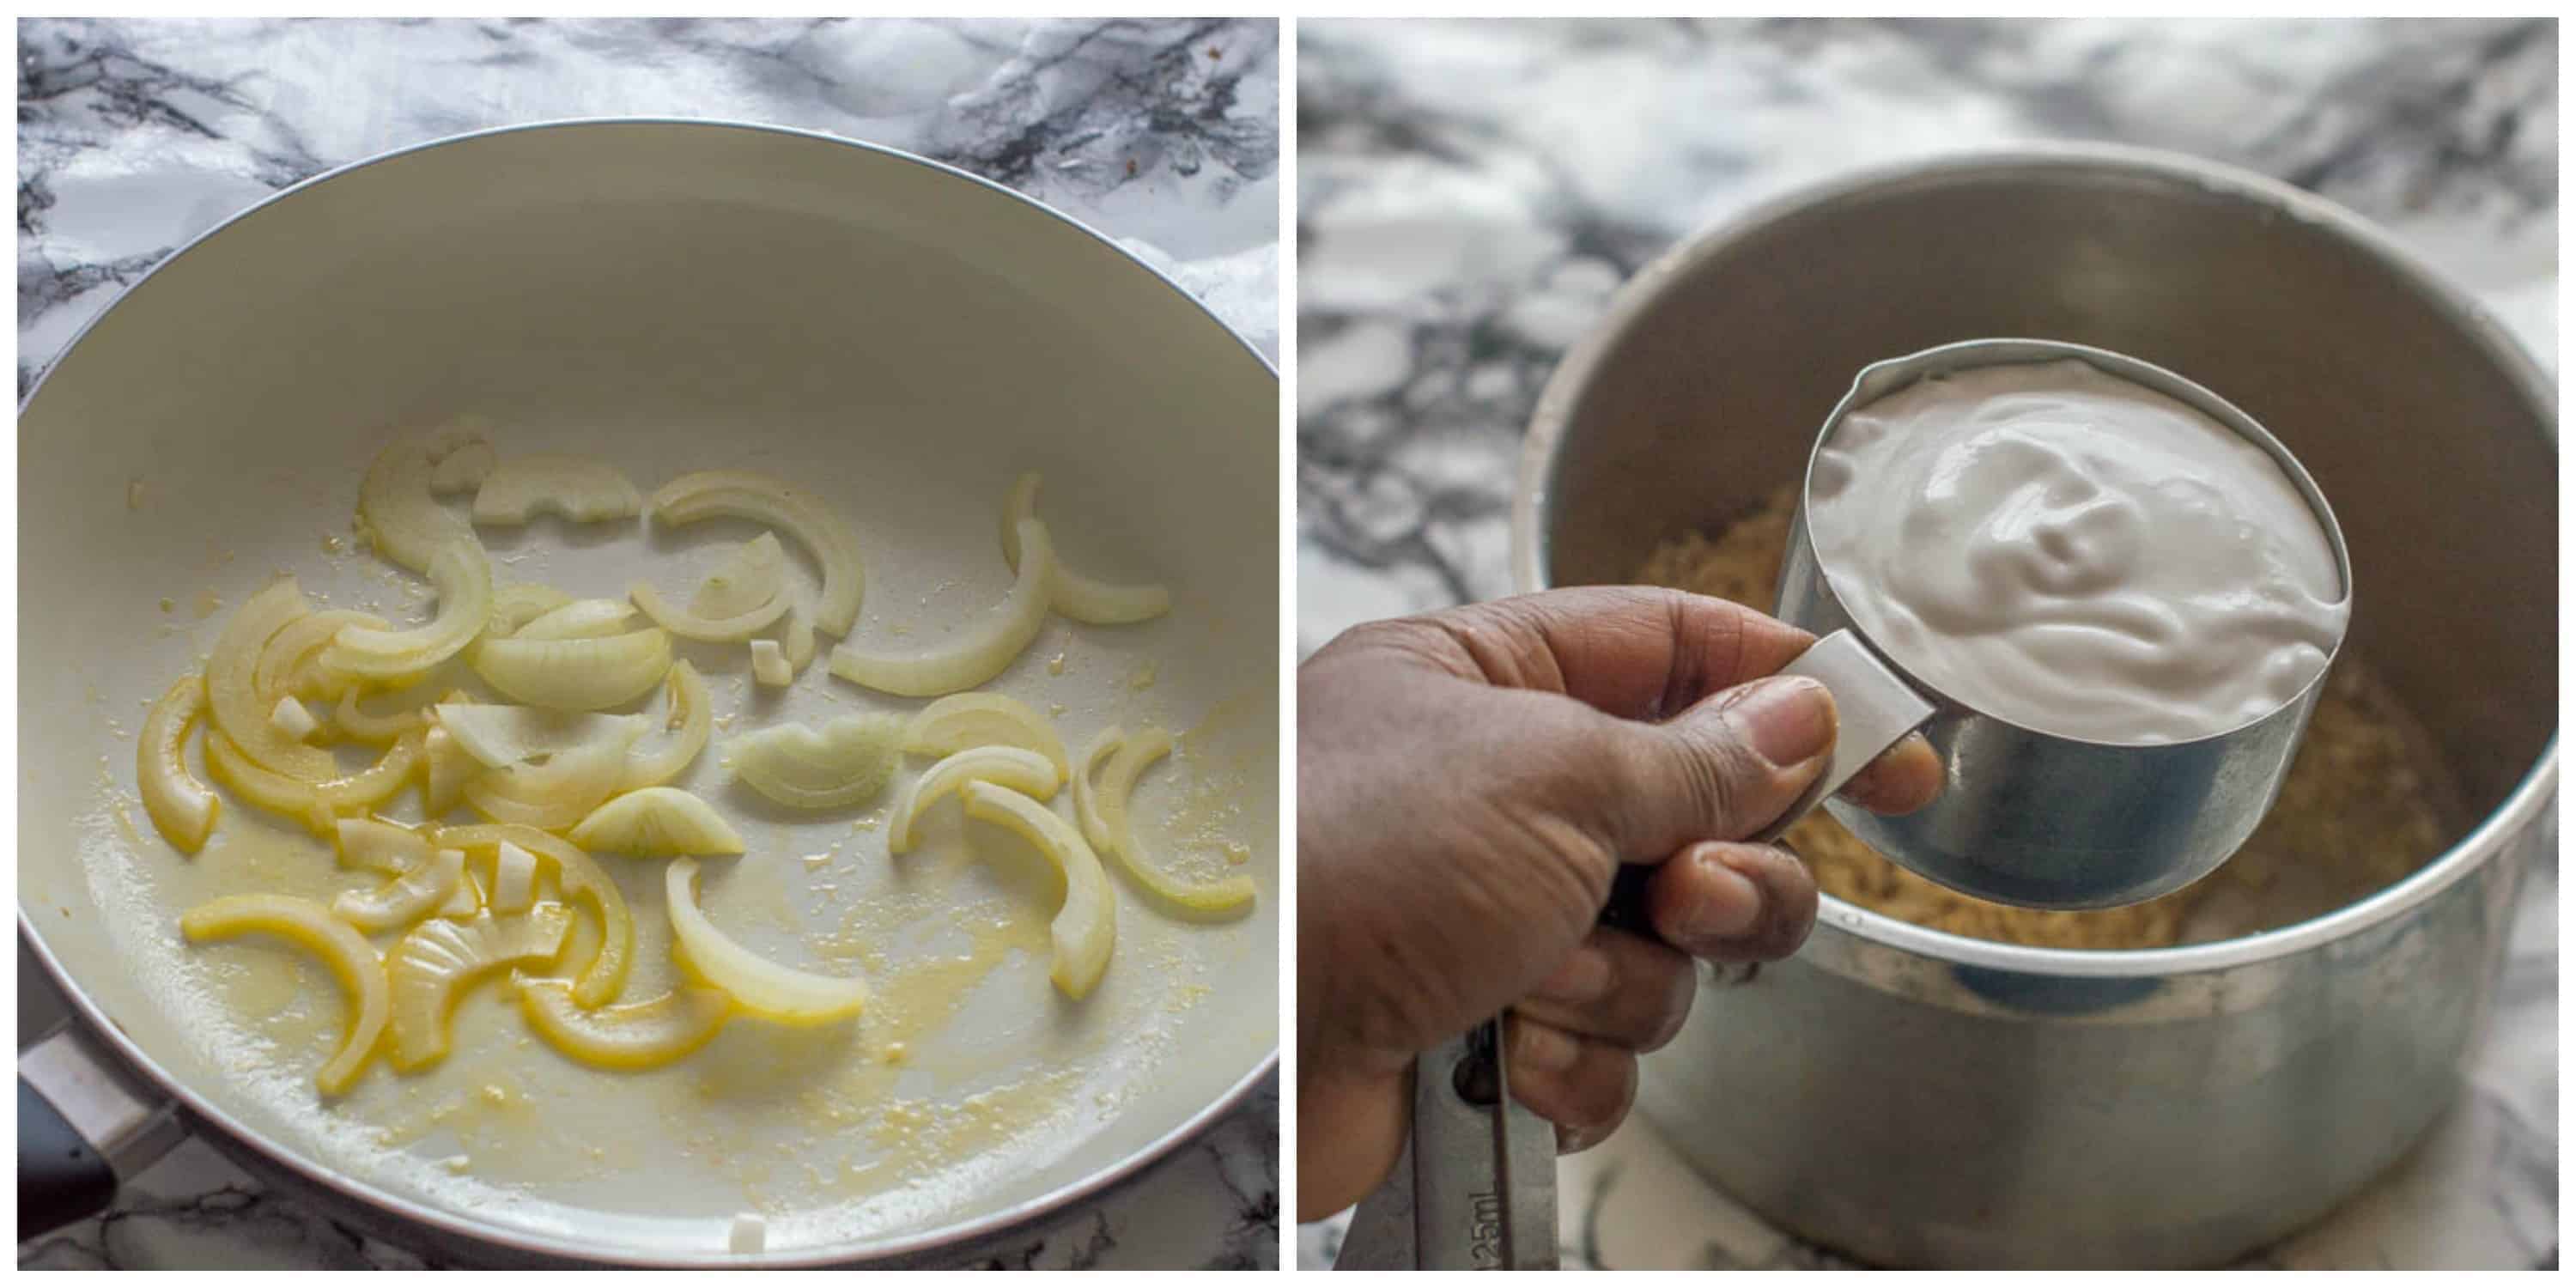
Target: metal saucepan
{"x":893,"y":334}
{"x":1920,"y":1098}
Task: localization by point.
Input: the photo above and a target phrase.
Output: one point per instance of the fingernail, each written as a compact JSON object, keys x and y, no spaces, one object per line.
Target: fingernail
{"x":1582,"y":977}
{"x":1732,"y":904}
{"x":1540,"y":1049}
{"x":1787,"y":718}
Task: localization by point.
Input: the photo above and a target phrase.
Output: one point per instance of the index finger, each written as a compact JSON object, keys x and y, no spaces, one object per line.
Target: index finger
{"x":1636,"y":652}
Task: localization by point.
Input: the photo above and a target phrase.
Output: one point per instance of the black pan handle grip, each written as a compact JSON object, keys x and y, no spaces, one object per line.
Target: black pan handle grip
{"x":60,"y":1178}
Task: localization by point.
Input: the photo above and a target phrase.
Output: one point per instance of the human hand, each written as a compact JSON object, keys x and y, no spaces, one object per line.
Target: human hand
{"x":1468,"y":783}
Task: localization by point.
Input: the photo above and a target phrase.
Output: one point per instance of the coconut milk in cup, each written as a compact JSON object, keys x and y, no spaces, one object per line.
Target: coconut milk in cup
{"x":2116,"y":595}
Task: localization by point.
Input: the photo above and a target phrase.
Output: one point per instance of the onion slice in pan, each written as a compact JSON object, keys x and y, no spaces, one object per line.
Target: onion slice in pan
{"x":577,"y":620}
{"x":577,"y":487}
{"x":1017,"y":768}
{"x":559,"y":793}
{"x":981,"y":651}
{"x":752,"y":576}
{"x":431,"y":966}
{"x":637,"y":1035}
{"x":1087,"y":925}
{"x":657,"y":822}
{"x":404,"y":521}
{"x":1105,"y":822}
{"x":964,"y":720}
{"x":1081,"y":598}
{"x":582,"y":880}
{"x":575,"y":674}
{"x":688,"y":711}
{"x":182,"y":809}
{"x":846,"y":762}
{"x":688,"y":624}
{"x":779,"y":994}
{"x":463,"y":577}
{"x":310,"y":926}
{"x":743,"y":494}
{"x":240,"y":712}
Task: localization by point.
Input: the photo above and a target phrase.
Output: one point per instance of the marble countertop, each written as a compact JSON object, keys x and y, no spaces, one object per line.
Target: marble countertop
{"x":135,"y":136}
{"x":1470,"y":194}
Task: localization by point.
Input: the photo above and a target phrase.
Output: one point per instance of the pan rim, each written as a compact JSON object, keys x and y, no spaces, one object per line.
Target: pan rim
{"x":458,"y":1225}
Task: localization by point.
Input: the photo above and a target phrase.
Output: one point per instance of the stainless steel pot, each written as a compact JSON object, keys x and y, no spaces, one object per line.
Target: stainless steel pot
{"x":1918,"y":1098}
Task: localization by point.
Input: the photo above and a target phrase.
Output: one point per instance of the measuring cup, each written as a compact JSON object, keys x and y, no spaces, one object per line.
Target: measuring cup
{"x":2026,"y":817}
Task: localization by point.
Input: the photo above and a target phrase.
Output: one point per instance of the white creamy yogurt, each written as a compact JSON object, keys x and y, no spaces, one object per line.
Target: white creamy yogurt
{"x":2075,"y":553}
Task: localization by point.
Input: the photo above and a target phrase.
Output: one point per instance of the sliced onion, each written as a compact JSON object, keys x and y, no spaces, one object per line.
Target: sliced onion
{"x":964,"y":720}
{"x":464,"y":469}
{"x":1017,"y":768}
{"x":638,"y":1035}
{"x":580,"y":619}
{"x":583,"y":881}
{"x":1074,"y":595}
{"x":514,"y":878}
{"x":575,"y":675}
{"x":405,"y":899}
{"x":446,"y":766}
{"x":769,"y":665}
{"x":499,"y":735}
{"x":743,"y":494}
{"x":712,"y":630}
{"x":520,"y":603}
{"x":182,"y":809}
{"x":685,"y":697}
{"x":465,"y":902}
{"x":657,"y":822}
{"x":576,"y":487}
{"x":374,"y":845}
{"x":463,"y":577}
{"x":291,"y":720}
{"x":316,"y":805}
{"x":232,"y":687}
{"x":309,"y":925}
{"x":779,"y":994}
{"x":430,"y":967}
{"x":291,"y":661}
{"x":846,"y":762}
{"x":752,"y":577}
{"x":407,"y":524}
{"x":980,"y":652}
{"x":352,"y":719}
{"x":1107,"y":824}
{"x":559,"y":793}
{"x":1087,"y":925}
{"x":1086,"y":800}
{"x":797,"y":637}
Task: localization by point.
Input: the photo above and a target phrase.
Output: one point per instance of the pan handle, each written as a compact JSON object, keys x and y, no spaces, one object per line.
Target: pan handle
{"x":85,"y":1123}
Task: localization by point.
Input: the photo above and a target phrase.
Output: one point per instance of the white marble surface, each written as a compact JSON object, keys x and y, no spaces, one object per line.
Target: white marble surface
{"x":135,"y":136}
{"x":1471,"y":193}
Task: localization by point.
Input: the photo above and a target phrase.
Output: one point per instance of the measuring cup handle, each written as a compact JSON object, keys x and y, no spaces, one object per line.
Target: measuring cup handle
{"x":1875,"y":711}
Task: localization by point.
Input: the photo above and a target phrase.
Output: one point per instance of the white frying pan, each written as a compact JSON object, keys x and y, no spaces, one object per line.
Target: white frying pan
{"x":894,"y":335}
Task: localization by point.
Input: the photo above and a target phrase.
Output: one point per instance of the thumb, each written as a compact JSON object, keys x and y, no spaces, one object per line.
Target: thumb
{"x":1724,"y":769}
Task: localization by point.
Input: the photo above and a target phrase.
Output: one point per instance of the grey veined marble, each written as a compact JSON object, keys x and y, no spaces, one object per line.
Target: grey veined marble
{"x":136,"y":136}
{"x":1470,"y":193}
